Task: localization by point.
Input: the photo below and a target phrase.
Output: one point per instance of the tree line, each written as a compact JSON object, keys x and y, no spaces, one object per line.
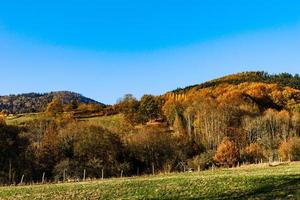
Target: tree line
{"x":222,"y":126}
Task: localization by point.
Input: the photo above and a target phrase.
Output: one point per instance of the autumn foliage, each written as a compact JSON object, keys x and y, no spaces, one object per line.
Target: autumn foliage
{"x":253,"y":153}
{"x":227,"y":153}
{"x":290,"y":150}
{"x":248,"y":117}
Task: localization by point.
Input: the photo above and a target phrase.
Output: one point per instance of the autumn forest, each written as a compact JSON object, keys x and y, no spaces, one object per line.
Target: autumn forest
{"x":244,"y":118}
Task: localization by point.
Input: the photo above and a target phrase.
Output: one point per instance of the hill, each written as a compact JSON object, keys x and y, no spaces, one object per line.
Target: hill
{"x":35,"y":102}
{"x":282,"y":79}
{"x":258,"y":90}
{"x":249,"y":182}
{"x":231,"y":122}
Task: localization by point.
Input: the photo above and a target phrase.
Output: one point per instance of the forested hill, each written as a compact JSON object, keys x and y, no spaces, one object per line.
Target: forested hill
{"x":35,"y":102}
{"x":282,"y":79}
{"x":258,"y":90}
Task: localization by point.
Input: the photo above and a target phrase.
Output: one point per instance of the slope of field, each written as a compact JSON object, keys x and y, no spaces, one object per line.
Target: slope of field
{"x":114,"y":123}
{"x":251,"y":182}
{"x":20,"y":119}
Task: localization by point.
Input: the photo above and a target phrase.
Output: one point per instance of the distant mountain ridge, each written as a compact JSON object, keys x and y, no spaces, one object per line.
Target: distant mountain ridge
{"x":37,"y":102}
{"x":246,"y":85}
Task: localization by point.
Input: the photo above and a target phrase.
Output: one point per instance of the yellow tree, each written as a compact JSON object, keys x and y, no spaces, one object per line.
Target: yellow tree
{"x":55,"y":107}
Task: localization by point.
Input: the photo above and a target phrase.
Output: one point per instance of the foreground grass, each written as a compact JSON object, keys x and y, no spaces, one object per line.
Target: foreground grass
{"x":256,"y":182}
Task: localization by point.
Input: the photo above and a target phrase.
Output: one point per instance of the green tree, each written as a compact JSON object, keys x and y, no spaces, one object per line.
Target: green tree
{"x":129,"y":106}
{"x":149,"y":108}
{"x":75,"y":104}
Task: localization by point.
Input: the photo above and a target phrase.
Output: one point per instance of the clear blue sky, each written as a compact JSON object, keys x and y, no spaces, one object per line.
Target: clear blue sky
{"x":107,"y":48}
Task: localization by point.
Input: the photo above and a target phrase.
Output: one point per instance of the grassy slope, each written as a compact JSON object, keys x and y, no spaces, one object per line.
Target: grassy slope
{"x":20,"y":119}
{"x":105,"y":121}
{"x":253,"y":182}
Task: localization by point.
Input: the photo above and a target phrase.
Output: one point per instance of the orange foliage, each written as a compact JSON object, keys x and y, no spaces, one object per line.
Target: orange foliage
{"x":253,"y":153}
{"x":227,"y":153}
{"x":290,"y":150}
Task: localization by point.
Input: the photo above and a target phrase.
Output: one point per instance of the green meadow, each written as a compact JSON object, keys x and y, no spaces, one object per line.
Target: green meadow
{"x":249,"y":182}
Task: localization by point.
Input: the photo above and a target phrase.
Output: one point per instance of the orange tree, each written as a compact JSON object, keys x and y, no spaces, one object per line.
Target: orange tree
{"x":227,"y":153}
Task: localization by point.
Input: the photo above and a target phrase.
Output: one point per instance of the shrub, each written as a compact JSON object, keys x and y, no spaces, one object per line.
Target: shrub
{"x":227,"y":153}
{"x":151,"y":146}
{"x":204,"y":161}
{"x":253,"y":153}
{"x":290,"y":149}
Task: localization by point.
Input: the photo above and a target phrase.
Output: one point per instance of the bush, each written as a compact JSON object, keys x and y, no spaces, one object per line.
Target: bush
{"x":204,"y":161}
{"x":227,"y":153}
{"x":151,"y":146}
{"x":92,"y":147}
{"x":290,"y":150}
{"x":253,"y":153}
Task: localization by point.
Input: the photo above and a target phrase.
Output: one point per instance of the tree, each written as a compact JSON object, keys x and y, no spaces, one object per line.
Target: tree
{"x":151,"y":146}
{"x":290,"y":149}
{"x":129,"y":106}
{"x":179,"y":128}
{"x":253,"y":153}
{"x":227,"y":153}
{"x":296,"y":124}
{"x":149,"y":108}
{"x":75,"y":104}
{"x":55,"y":107}
{"x":90,"y":147}
{"x":12,"y":150}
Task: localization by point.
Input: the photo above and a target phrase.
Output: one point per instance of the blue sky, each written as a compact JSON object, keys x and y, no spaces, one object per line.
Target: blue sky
{"x":105,"y":49}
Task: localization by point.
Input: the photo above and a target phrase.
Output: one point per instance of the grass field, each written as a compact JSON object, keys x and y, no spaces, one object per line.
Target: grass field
{"x":21,"y":118}
{"x":251,"y":182}
{"x":113,"y":122}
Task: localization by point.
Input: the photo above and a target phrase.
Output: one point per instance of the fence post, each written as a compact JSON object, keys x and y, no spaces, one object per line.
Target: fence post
{"x":64,"y":175}
{"x":102,"y":174}
{"x":22,"y":179}
{"x":121,"y":173}
{"x":84,"y":174}
{"x":153,"y":169}
{"x":43,"y":178}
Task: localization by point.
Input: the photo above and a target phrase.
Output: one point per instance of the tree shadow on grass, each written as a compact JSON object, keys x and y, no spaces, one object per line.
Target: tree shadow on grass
{"x":289,"y":188}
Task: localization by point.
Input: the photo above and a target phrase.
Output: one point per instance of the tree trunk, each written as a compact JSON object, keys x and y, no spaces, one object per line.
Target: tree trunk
{"x":9,"y":172}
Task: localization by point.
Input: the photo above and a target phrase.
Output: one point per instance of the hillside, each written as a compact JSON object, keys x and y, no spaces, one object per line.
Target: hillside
{"x":283,"y":79}
{"x":255,"y":89}
{"x":35,"y":102}
{"x":231,"y":122}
